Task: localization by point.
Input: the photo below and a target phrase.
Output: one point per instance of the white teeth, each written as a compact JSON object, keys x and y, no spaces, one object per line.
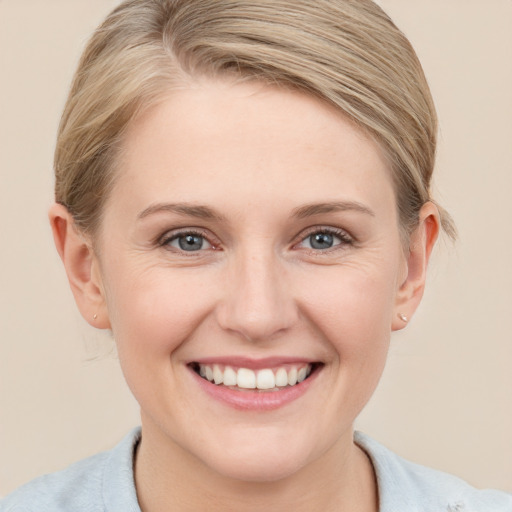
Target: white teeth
{"x":263,"y":379}
{"x":218,"y":374}
{"x":229,"y":376}
{"x":292,"y":377}
{"x":246,"y":378}
{"x":301,"y":375}
{"x":281,"y":378}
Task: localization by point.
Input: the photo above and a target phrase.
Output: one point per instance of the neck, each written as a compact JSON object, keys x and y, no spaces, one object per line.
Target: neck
{"x":170,"y":478}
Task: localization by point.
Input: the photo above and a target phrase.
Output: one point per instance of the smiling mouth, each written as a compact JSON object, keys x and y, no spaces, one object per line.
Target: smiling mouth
{"x":264,"y":379}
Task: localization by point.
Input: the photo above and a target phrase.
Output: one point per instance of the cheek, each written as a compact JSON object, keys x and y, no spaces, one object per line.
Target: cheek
{"x":155,"y":310}
{"x":152,"y":315}
{"x":352,"y":305}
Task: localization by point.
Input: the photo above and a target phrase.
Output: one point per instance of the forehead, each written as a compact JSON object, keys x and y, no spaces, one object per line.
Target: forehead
{"x":217,"y":140}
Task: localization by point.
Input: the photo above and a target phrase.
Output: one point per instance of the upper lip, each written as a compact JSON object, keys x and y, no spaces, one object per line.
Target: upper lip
{"x":253,"y":363}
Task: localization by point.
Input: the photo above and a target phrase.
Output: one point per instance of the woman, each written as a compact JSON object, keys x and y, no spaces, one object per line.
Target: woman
{"x":243,"y":199}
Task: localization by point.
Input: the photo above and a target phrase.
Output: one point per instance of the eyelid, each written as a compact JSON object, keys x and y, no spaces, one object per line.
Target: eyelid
{"x":342,"y":234}
{"x":172,"y":234}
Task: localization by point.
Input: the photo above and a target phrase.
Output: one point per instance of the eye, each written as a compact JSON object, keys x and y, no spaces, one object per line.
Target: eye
{"x":324,"y":239}
{"x":321,"y":241}
{"x":189,"y":242}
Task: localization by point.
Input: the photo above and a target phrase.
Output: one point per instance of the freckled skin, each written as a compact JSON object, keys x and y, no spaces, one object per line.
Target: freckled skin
{"x":253,"y":285}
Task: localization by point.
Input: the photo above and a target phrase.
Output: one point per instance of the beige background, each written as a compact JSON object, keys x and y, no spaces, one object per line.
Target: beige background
{"x":446,"y":397}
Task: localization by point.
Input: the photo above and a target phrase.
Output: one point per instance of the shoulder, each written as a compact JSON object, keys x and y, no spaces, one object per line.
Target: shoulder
{"x":102,"y":482}
{"x":405,"y":486}
{"x":65,"y":490}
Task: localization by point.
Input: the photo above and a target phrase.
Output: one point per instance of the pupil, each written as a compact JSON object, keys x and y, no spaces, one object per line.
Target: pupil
{"x":321,"y":241}
{"x":191,"y":242}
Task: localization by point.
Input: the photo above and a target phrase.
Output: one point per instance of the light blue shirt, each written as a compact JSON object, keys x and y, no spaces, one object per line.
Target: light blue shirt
{"x":104,"y":483}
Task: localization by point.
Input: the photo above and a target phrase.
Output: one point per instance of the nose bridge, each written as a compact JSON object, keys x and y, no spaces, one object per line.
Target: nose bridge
{"x":258,"y":303}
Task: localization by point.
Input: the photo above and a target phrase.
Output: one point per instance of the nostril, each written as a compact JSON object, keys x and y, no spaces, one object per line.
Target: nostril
{"x":264,"y":323}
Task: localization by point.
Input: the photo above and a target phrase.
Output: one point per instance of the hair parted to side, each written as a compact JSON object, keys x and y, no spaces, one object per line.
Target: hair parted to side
{"x":345,"y":52}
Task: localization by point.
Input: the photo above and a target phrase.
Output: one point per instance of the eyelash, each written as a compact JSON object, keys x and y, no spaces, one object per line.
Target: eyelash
{"x":165,"y":240}
{"x":345,"y":239}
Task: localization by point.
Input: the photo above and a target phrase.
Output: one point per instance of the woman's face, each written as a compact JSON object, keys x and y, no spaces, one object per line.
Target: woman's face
{"x":251,"y":237}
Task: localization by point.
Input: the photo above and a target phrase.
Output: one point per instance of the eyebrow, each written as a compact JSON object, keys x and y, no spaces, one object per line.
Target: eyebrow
{"x":310,"y":210}
{"x":190,"y":210}
{"x":302,"y":212}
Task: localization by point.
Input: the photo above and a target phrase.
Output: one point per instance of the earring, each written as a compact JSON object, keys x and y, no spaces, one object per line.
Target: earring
{"x":403,"y":317}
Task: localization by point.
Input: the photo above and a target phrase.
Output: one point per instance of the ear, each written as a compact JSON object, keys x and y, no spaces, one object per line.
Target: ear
{"x":82,"y":267}
{"x":421,"y":243}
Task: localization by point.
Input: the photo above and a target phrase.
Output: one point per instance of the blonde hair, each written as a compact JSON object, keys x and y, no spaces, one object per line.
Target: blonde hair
{"x":345,"y":52}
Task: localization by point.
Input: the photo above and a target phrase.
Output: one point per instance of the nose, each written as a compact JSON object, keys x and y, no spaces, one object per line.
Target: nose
{"x":258,"y":302}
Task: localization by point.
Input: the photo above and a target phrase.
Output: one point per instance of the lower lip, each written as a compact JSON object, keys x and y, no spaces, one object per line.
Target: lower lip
{"x":254,"y":400}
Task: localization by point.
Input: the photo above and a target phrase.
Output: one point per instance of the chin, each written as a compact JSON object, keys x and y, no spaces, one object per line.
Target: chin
{"x":260,"y":457}
{"x":258,"y":469}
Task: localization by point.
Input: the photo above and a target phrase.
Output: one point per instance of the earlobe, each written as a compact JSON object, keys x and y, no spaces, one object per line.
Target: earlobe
{"x":81,"y":266}
{"x":422,"y":241}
